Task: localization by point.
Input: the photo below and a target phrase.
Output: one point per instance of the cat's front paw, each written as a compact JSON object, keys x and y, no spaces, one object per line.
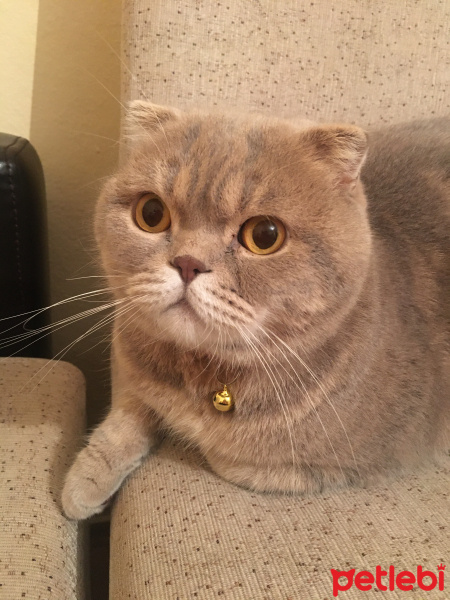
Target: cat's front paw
{"x":115,"y":449}
{"x":81,"y":499}
{"x":86,"y":492}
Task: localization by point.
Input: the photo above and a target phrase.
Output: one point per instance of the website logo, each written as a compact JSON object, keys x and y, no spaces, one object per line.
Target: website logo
{"x":388,"y":580}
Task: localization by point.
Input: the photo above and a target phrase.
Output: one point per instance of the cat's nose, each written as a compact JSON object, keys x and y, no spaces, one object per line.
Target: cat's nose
{"x":189,"y":267}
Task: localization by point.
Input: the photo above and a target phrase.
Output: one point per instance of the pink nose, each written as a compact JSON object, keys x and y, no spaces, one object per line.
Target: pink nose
{"x":189,"y":267}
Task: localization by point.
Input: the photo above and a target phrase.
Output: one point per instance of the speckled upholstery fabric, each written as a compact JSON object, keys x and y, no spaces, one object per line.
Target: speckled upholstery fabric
{"x":42,"y":420}
{"x":353,"y":60}
{"x":178,"y":531}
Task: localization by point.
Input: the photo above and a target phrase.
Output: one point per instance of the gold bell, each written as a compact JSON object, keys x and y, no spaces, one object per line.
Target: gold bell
{"x":223,"y":400}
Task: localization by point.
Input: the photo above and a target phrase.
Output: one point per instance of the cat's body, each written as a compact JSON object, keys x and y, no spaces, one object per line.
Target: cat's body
{"x":336,"y":346}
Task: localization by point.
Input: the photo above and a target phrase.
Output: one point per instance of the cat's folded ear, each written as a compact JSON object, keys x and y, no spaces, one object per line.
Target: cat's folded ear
{"x":143,"y":118}
{"x":343,"y":147}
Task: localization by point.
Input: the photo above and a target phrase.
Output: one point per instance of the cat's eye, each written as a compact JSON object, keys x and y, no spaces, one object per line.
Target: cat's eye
{"x":152,"y":214}
{"x":262,"y":235}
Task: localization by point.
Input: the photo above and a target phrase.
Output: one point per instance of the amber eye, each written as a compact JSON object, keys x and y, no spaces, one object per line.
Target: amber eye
{"x":152,"y":214}
{"x":262,"y":235}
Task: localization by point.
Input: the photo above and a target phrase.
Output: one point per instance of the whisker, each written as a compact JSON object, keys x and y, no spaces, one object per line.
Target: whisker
{"x":92,"y":276}
{"x":49,"y":329}
{"x":112,"y":338}
{"x":124,"y":64}
{"x":327,"y":398}
{"x":33,"y":332}
{"x":277,"y":389}
{"x":63,"y":352}
{"x":311,"y":403}
{"x":38,"y":311}
{"x":105,"y":87}
{"x":136,"y":80}
{"x":123,"y":327}
{"x":92,"y":182}
{"x":208,"y":333}
{"x":97,"y":135}
{"x":117,"y":313}
{"x":212,"y":357}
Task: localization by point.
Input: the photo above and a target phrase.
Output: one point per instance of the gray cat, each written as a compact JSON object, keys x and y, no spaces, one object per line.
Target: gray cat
{"x":283,"y":303}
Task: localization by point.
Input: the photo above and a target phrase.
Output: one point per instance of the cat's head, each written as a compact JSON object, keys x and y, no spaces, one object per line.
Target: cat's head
{"x":223,"y":227}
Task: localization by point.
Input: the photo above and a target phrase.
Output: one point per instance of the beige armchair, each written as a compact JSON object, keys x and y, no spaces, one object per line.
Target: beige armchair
{"x":178,"y":531}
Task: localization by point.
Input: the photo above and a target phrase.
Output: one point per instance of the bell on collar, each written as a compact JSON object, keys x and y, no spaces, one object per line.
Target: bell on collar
{"x":223,"y":400}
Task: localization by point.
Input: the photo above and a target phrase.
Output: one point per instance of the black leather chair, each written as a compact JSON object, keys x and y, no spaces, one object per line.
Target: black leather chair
{"x":24,"y":281}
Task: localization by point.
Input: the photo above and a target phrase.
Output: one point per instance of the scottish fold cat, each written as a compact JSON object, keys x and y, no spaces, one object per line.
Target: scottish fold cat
{"x":283,"y":300}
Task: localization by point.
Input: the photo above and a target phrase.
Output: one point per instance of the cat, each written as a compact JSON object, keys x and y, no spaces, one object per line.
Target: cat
{"x":300,"y":265}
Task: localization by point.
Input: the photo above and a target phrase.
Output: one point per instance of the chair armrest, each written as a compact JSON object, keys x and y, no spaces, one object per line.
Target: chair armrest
{"x":42,"y":420}
{"x":180,"y":531}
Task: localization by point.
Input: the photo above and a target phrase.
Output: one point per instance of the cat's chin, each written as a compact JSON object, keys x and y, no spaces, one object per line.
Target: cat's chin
{"x":184,"y":311}
{"x":182,"y":325}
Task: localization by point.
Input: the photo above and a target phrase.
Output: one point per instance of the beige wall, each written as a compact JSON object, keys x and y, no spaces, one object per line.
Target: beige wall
{"x":57,"y":98}
{"x":18,"y":29}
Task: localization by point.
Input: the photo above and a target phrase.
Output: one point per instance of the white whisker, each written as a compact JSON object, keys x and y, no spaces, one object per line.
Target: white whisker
{"x":327,"y":398}
{"x":48,"y":329}
{"x":277,"y":389}
{"x":311,"y":403}
{"x":38,"y":311}
{"x":63,"y":352}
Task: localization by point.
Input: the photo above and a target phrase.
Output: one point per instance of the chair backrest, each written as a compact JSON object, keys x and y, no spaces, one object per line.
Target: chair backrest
{"x":24,"y":277}
{"x":361,"y":61}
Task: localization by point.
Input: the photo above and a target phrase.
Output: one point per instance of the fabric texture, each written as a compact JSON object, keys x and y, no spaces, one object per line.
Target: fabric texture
{"x":179,"y":532}
{"x":354,"y":61}
{"x":42,"y":420}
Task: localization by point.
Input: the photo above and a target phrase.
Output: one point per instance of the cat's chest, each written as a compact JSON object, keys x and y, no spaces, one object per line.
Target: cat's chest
{"x":192,"y":413}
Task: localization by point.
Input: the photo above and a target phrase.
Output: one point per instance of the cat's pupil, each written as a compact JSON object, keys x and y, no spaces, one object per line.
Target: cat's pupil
{"x":265,"y":234}
{"x":153,"y":212}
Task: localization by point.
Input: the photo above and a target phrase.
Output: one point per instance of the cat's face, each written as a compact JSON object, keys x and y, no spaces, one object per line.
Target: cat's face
{"x":182,"y":225}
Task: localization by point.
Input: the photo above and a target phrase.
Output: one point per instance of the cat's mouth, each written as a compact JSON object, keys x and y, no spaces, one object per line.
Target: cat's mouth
{"x":184,"y":305}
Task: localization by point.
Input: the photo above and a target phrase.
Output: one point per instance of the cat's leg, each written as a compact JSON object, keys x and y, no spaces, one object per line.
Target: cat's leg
{"x":116,"y":447}
{"x":285,"y":478}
